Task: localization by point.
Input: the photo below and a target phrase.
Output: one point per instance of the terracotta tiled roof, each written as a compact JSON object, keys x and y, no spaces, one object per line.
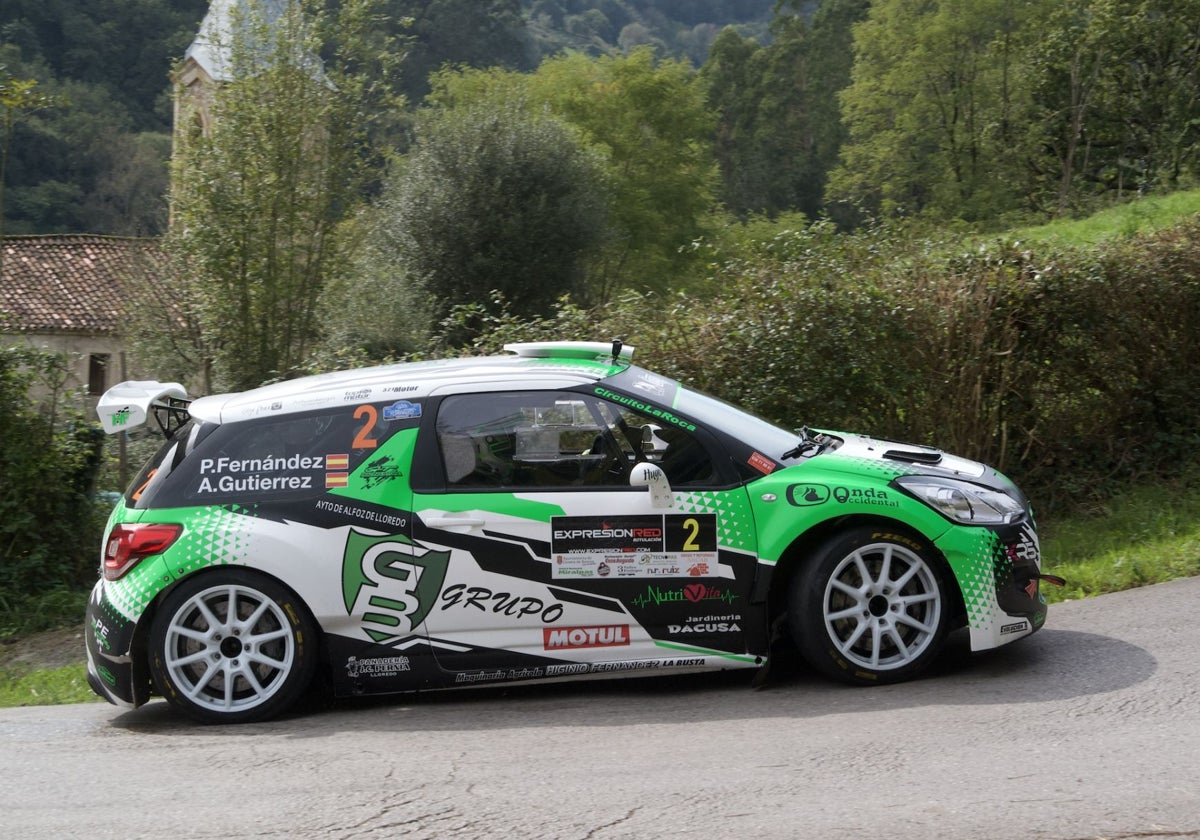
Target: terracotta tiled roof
{"x":70,"y":283}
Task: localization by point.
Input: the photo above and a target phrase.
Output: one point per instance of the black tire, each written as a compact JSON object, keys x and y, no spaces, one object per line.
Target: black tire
{"x":870,"y":607}
{"x":219,"y":671}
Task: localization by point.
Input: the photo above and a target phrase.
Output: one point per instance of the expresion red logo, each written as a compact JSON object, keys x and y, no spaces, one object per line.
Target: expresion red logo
{"x":562,"y":638}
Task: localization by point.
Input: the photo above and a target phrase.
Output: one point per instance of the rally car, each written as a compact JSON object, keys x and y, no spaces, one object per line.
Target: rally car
{"x":554,"y":513}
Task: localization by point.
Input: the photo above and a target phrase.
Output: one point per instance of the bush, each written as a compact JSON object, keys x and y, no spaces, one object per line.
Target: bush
{"x":1070,"y":369}
{"x":49,"y":526}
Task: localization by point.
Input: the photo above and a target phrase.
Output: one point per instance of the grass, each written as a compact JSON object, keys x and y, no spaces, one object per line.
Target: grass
{"x":1142,"y":216}
{"x":1145,"y":535}
{"x":25,"y":686}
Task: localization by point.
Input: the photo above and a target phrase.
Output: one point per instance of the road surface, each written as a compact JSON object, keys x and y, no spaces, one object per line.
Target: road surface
{"x":1088,"y":729}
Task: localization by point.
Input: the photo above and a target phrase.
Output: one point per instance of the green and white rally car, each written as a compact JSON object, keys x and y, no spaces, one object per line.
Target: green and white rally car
{"x":554,"y":513}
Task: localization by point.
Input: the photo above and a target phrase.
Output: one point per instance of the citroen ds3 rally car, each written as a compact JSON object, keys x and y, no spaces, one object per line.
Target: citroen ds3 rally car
{"x":551,"y":514}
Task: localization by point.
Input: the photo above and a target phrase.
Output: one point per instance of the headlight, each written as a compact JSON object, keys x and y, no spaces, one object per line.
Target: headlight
{"x":962,"y":501}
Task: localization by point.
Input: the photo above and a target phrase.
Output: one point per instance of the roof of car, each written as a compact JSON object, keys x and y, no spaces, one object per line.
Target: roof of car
{"x":541,"y":365}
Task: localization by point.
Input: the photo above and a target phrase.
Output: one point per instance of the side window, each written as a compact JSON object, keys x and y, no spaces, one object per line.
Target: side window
{"x":531,"y":439}
{"x":681,"y":454}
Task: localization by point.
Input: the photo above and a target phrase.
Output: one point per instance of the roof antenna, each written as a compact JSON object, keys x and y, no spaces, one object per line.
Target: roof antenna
{"x":616,"y":350}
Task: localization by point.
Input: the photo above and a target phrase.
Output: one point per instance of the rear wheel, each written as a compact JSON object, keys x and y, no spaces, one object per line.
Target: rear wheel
{"x":232,"y":646}
{"x":870,"y":607}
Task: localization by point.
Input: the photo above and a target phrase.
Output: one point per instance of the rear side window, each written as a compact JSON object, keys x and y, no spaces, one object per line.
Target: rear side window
{"x":287,"y":458}
{"x":153,"y":476}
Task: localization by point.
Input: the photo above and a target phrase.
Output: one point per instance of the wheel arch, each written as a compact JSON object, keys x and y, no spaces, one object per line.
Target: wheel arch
{"x":139,"y":649}
{"x":801,"y":549}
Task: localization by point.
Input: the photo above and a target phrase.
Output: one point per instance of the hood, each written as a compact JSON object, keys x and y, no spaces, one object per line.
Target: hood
{"x":918,"y":459}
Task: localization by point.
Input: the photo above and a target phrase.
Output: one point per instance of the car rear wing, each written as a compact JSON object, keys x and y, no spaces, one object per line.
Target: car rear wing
{"x":130,"y":404}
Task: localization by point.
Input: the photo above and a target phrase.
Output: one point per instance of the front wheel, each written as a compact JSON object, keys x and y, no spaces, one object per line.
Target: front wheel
{"x":870,"y":607}
{"x":232,"y":646}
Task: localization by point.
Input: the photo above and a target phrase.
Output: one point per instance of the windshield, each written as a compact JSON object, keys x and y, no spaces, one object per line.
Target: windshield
{"x":710,"y":411}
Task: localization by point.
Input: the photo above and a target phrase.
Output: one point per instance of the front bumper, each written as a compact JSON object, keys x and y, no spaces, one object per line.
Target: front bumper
{"x":998,"y":572}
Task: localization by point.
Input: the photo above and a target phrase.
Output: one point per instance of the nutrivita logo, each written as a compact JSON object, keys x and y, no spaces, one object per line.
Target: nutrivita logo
{"x":692,"y":593}
{"x":387,"y":586}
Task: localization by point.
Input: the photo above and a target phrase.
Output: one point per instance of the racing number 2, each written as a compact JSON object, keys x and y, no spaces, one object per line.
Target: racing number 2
{"x":364,"y":439}
{"x":691,"y":532}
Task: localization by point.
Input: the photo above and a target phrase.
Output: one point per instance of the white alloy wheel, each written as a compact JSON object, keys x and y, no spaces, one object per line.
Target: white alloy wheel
{"x":870,"y":608}
{"x":229,"y":647}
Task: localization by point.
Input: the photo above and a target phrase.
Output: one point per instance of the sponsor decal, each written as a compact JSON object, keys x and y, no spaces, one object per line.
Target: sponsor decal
{"x":693,"y":593}
{"x":1016,"y":627}
{"x":399,"y":389}
{"x":860,"y":496}
{"x":121,"y":416}
{"x":100,"y":633}
{"x":571,"y":638}
{"x":351,"y":511}
{"x":652,"y":384}
{"x":805,"y":495}
{"x":646,"y":408}
{"x":383,"y":666}
{"x":380,"y":471}
{"x":288,"y":472}
{"x":761,"y":463}
{"x":633,"y":546}
{"x":277,"y":406}
{"x":401,"y":410}
{"x":388,"y":586}
{"x":499,"y":674}
{"x":568,"y":668}
{"x":357,"y":396}
{"x":502,"y":603}
{"x":707,"y":624}
{"x":574,"y":668}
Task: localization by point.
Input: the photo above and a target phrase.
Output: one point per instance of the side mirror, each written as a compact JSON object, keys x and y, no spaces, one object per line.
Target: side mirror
{"x":654,"y":479}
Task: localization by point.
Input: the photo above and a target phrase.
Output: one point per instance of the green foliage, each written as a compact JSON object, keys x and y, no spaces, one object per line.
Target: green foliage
{"x":1147,"y":215}
{"x":97,"y":162}
{"x":649,"y":121}
{"x":49,"y":526}
{"x":1068,"y":369}
{"x":259,"y":202}
{"x":461,"y":33}
{"x":929,"y":109}
{"x":495,"y":198}
{"x":1142,"y":534}
{"x":21,"y":686}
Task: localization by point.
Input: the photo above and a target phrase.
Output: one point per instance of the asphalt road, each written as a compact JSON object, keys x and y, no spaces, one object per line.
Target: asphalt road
{"x":1089,"y":729}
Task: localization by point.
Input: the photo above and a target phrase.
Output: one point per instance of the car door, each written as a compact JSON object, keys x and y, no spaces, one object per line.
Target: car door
{"x":558,"y":564}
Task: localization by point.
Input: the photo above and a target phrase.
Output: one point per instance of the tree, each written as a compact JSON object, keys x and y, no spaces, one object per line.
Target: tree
{"x":461,"y":33}
{"x":929,"y":109}
{"x":649,"y":121}
{"x":258,"y":205}
{"x":495,"y":199}
{"x":18,"y":98}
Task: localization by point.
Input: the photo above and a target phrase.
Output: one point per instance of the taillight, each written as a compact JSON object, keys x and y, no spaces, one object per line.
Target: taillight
{"x":130,"y":543}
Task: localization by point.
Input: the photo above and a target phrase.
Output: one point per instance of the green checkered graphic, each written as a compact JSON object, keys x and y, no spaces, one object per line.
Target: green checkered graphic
{"x":974,"y":570}
{"x":211,"y":536}
{"x":215,"y":536}
{"x":735,"y":522}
